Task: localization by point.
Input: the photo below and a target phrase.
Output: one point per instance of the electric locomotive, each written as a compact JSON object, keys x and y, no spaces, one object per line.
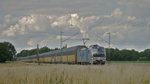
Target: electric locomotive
{"x":98,"y":54}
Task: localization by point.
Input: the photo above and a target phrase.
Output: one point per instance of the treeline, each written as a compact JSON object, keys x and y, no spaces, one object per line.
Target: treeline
{"x":112,"y":54}
{"x":25,"y":53}
{"x":8,"y":52}
{"x":127,"y":55}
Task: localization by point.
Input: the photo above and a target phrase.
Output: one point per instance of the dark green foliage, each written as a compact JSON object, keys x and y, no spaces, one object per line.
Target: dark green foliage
{"x":25,"y":53}
{"x":44,"y":49}
{"x":145,"y":55}
{"x":7,"y":51}
{"x":122,"y":55}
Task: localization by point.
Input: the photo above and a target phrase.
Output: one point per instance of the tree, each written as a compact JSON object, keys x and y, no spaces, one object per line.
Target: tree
{"x":122,"y":55}
{"x":25,"y":53}
{"x":7,"y":51}
{"x":44,"y":49}
{"x":145,"y":55}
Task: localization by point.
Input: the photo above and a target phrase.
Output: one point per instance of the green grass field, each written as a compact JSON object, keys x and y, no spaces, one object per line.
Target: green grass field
{"x":112,"y":73}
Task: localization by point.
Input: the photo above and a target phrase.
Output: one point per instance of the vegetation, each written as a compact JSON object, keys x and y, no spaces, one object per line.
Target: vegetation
{"x":25,"y":53}
{"x":127,"y":55}
{"x":115,"y":54}
{"x":7,"y":51}
{"x":145,"y":55}
{"x":115,"y":73}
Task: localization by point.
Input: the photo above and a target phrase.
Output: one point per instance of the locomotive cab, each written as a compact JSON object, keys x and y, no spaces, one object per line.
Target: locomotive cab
{"x":98,"y":54}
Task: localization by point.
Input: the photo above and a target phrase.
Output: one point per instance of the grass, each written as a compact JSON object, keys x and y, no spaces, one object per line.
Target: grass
{"x":130,"y":62}
{"x":113,"y":73}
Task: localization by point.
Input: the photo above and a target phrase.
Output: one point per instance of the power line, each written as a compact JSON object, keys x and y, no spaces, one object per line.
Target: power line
{"x":85,"y":40}
{"x":102,"y":38}
{"x":70,"y":37}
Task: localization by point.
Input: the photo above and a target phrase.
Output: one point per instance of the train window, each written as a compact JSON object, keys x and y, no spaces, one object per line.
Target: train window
{"x":101,"y":49}
{"x":83,"y":48}
{"x":98,"y":55}
{"x":94,"y":47}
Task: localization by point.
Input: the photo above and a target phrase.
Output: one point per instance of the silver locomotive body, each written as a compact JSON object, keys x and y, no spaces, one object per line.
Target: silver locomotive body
{"x":98,"y":54}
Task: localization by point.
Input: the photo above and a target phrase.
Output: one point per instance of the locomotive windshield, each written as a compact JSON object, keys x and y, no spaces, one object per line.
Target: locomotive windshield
{"x":98,"y":55}
{"x":100,"y":49}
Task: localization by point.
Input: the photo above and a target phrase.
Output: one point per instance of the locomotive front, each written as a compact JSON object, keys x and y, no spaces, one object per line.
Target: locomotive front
{"x":98,"y":54}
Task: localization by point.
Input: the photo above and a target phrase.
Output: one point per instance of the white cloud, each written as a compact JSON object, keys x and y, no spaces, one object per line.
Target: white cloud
{"x":122,"y":24}
{"x":25,"y":25}
{"x":131,"y":18}
{"x":116,"y":30}
{"x":34,"y":42}
{"x":22,"y":21}
{"x":74,"y":20}
{"x":31,"y":42}
{"x":37,"y":23}
{"x":28,"y":20}
{"x":117,"y":13}
{"x":29,"y":48}
{"x":64,"y":37}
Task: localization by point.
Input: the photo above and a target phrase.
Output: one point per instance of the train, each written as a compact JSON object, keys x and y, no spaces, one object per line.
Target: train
{"x":98,"y":54}
{"x":79,"y":54}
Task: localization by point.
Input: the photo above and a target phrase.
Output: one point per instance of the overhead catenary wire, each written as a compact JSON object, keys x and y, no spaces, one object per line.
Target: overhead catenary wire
{"x":70,"y":37}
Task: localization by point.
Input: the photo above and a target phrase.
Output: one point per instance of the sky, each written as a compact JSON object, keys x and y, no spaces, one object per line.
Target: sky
{"x":25,"y":23}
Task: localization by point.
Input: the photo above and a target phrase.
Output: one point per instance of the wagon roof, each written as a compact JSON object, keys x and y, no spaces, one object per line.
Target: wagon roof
{"x":70,"y":49}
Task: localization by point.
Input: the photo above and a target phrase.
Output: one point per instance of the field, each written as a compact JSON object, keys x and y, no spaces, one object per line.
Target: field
{"x":112,"y":73}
